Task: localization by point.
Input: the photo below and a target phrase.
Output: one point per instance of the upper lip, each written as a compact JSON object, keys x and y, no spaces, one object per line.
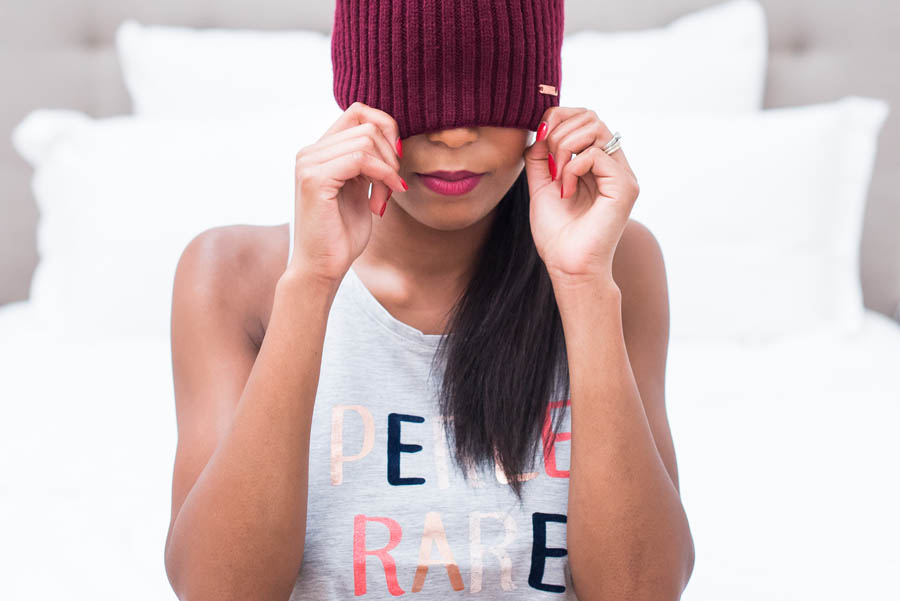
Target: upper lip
{"x":451,"y":175}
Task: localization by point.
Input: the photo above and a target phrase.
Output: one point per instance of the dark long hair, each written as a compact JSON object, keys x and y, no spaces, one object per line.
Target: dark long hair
{"x":507,"y":355}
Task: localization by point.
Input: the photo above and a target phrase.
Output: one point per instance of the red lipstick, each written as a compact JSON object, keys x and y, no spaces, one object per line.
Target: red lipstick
{"x":451,"y":183}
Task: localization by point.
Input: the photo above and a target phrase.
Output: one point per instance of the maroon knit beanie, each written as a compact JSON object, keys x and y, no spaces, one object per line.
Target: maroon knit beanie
{"x":438,"y":64}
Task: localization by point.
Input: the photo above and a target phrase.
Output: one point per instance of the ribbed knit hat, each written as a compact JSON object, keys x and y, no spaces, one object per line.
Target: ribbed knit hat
{"x":438,"y":64}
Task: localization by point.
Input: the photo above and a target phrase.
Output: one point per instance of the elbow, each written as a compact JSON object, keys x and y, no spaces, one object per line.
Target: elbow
{"x":178,"y":572}
{"x":189,"y":584}
{"x":670,"y":590}
{"x":664,"y":583}
{"x":647,"y":589}
{"x":172,"y":571}
{"x":671,"y":586}
{"x":672,"y":576}
{"x":687,"y":568}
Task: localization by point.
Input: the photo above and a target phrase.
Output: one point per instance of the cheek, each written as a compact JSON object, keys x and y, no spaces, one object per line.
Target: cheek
{"x":499,"y":183}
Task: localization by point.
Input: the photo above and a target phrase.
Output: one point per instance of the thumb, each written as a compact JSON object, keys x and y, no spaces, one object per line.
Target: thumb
{"x":537,"y":168}
{"x":381,"y":193}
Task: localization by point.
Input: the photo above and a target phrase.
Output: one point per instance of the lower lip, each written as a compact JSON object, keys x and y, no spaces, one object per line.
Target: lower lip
{"x":451,"y":188}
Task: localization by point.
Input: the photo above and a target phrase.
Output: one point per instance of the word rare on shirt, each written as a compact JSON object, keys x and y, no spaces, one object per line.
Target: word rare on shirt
{"x":463,"y":513}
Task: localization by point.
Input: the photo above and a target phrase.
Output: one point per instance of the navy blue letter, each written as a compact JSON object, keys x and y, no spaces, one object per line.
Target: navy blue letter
{"x":395,"y":447}
{"x":540,"y":552}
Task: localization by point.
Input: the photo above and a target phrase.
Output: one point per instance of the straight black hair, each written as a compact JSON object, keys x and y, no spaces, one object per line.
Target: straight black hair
{"x":506,"y":356}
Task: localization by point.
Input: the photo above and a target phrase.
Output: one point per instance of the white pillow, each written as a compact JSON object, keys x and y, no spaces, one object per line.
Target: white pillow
{"x":710,"y":59}
{"x":713,"y":59}
{"x":171,"y":71}
{"x":119,"y":198}
{"x":759,"y":215}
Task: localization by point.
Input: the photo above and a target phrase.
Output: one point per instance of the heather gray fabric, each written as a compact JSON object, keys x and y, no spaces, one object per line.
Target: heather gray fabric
{"x":389,"y":512}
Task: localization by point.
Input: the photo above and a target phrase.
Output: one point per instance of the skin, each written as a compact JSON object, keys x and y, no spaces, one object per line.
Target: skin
{"x":420,"y":255}
{"x":422,"y":251}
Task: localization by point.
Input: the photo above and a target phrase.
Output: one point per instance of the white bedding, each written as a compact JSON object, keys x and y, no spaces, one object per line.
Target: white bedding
{"x":787,"y":456}
{"x":87,"y":440}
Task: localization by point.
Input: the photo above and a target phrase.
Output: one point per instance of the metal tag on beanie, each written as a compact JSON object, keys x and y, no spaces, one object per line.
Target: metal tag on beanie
{"x":436,"y":65}
{"x":545,"y":88}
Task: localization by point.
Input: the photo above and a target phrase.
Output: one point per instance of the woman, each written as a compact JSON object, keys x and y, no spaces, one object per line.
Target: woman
{"x":419,"y":442}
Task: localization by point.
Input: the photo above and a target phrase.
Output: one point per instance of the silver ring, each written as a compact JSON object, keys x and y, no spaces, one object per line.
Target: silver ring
{"x":614,"y":144}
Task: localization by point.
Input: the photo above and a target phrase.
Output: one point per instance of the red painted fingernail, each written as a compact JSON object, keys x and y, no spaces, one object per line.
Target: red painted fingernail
{"x":542,"y":131}
{"x":405,"y":186}
{"x":399,"y":148}
{"x":381,"y":214}
{"x":552,"y":165}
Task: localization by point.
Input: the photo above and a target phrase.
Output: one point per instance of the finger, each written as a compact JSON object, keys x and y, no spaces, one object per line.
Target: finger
{"x":358,"y":113}
{"x":623,"y":185}
{"x":580,"y":134}
{"x":577,"y":167}
{"x":363,"y":130}
{"x":346,"y":166}
{"x":618,"y":155}
{"x":555,"y":115}
{"x":592,"y":161}
{"x":536,"y":155}
{"x":361,"y":113}
{"x":562,"y":154}
{"x":318,"y":155}
{"x":379,"y":196}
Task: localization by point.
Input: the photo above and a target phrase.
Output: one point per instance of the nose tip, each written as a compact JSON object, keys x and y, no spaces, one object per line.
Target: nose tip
{"x":454,"y":137}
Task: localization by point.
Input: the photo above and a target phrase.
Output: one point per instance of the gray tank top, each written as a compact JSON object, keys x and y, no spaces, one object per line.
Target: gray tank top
{"x":389,"y":512}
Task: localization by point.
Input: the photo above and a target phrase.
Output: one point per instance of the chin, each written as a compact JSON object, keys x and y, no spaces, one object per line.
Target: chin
{"x":451,"y":216}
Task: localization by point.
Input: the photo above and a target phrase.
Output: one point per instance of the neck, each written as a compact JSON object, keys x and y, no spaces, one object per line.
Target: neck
{"x":416,"y":257}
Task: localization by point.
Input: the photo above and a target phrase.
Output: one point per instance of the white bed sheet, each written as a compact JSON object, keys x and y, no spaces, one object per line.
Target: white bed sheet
{"x":789,"y":464}
{"x":787,"y":454}
{"x":87,"y":440}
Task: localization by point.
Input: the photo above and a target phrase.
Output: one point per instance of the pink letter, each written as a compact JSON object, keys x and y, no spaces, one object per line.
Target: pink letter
{"x":550,"y":440}
{"x":360,"y":552}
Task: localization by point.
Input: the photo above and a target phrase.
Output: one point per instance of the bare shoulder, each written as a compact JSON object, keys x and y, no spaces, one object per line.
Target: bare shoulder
{"x":234,"y":269}
{"x":637,"y":251}
{"x":640,"y":273}
{"x":224,"y":282}
{"x":638,"y":264}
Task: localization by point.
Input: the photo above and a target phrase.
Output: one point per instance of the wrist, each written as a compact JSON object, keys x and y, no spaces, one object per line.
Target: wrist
{"x":295,"y":280}
{"x":576,"y":294}
{"x":584,"y":283}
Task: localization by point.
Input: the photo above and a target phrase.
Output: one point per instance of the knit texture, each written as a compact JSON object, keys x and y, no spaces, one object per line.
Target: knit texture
{"x":434,"y":64}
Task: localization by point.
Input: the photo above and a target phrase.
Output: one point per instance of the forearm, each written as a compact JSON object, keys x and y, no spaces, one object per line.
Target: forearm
{"x":627,"y":533}
{"x":240,"y":531}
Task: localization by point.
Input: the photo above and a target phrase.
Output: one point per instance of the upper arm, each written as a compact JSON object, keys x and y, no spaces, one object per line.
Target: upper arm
{"x":640,"y":274}
{"x":212,"y":351}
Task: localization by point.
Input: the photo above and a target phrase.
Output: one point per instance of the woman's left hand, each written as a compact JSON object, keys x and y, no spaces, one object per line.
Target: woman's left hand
{"x":579,"y":204}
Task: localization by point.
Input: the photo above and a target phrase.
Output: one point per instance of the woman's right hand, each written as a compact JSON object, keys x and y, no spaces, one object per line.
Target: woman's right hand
{"x":332,"y":207}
